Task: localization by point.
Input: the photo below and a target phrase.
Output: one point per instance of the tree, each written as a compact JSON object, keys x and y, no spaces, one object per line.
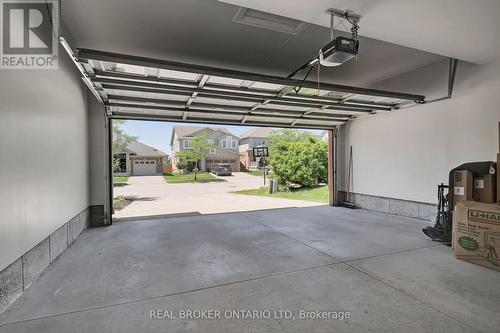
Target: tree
{"x":199,"y":149}
{"x":287,"y":135}
{"x":301,"y":163}
{"x":120,"y":141}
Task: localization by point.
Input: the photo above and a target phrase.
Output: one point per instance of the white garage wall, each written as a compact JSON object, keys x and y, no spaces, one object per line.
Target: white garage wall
{"x":407,"y":153}
{"x":43,"y":155}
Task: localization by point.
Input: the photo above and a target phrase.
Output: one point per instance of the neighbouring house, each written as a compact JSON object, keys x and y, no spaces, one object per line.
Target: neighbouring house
{"x":225,"y":146}
{"x":141,"y":160}
{"x":254,"y":137}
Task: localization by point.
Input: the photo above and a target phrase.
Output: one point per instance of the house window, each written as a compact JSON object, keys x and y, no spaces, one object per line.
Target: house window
{"x":187,"y":144}
{"x":229,"y":142}
{"x":210,"y":141}
{"x":212,"y":151}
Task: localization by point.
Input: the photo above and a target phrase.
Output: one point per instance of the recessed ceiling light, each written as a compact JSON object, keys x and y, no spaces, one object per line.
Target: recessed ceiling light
{"x":269,"y":21}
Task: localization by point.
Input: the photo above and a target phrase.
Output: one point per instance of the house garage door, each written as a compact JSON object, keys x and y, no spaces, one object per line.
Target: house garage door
{"x":232,"y":162}
{"x":144,"y":168}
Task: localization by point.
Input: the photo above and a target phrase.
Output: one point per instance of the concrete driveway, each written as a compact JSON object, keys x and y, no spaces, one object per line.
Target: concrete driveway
{"x":157,"y":197}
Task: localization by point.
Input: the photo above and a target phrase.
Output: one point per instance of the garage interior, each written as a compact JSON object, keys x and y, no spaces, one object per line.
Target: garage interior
{"x":415,"y":103}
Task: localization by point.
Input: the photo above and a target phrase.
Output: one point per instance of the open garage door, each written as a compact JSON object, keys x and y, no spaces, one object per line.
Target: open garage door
{"x":134,"y":87}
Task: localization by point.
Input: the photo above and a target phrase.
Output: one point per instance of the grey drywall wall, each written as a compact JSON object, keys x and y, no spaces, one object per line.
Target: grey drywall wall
{"x":97,"y":153}
{"x":43,"y":154}
{"x":405,"y":154}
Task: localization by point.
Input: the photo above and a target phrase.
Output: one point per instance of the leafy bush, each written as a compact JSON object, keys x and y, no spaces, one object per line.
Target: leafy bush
{"x":286,"y":135}
{"x":300,"y":164}
{"x":181,"y":164}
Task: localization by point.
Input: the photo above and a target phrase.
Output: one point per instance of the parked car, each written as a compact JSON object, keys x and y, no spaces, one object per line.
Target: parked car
{"x":222,"y":170}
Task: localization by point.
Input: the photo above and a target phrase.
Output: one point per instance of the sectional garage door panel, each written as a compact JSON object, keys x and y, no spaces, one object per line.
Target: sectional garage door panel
{"x":134,"y":87}
{"x":144,"y":168}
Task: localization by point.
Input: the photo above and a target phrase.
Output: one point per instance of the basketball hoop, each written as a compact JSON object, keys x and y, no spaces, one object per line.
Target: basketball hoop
{"x":260,"y":152}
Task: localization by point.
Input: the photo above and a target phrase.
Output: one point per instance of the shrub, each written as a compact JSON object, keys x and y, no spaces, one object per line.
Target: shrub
{"x":287,"y":135}
{"x":300,"y":164}
{"x":181,"y":164}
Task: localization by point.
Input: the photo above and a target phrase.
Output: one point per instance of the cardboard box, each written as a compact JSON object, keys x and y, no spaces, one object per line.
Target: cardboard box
{"x":476,"y":233}
{"x":498,"y":178}
{"x":485,"y":189}
{"x":462,"y":186}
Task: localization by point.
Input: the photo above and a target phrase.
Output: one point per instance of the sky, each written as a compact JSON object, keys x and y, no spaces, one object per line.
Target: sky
{"x":157,"y":133}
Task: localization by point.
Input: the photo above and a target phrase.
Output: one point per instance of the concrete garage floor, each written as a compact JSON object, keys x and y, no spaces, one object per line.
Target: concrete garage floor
{"x":157,"y":197}
{"x":379,"y":267}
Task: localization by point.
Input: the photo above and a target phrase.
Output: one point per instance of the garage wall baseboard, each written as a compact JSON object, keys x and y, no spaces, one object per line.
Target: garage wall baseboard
{"x":415,"y":209}
{"x":19,"y":275}
{"x":97,"y":216}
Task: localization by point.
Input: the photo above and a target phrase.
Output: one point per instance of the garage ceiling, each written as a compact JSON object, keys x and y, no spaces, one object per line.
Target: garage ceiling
{"x":136,"y":87}
{"x":462,"y":29}
{"x":203,"y":32}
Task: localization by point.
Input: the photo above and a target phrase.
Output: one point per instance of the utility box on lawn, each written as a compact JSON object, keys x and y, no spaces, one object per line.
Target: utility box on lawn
{"x":273,"y":186}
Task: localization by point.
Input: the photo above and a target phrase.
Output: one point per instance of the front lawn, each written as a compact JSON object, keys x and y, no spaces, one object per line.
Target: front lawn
{"x":318,"y":194}
{"x":257,"y":173}
{"x":177,"y":178}
{"x":120,"y":180}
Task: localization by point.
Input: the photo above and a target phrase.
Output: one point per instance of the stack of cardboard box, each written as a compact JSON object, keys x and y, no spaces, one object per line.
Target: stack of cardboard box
{"x":476,"y":217}
{"x":480,"y":188}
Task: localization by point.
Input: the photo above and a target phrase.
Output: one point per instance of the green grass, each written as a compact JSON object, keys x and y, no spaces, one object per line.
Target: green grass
{"x":120,"y":180}
{"x":121,"y":202}
{"x":117,"y":200}
{"x":318,"y":194}
{"x":176,"y":178}
{"x":257,"y":173}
